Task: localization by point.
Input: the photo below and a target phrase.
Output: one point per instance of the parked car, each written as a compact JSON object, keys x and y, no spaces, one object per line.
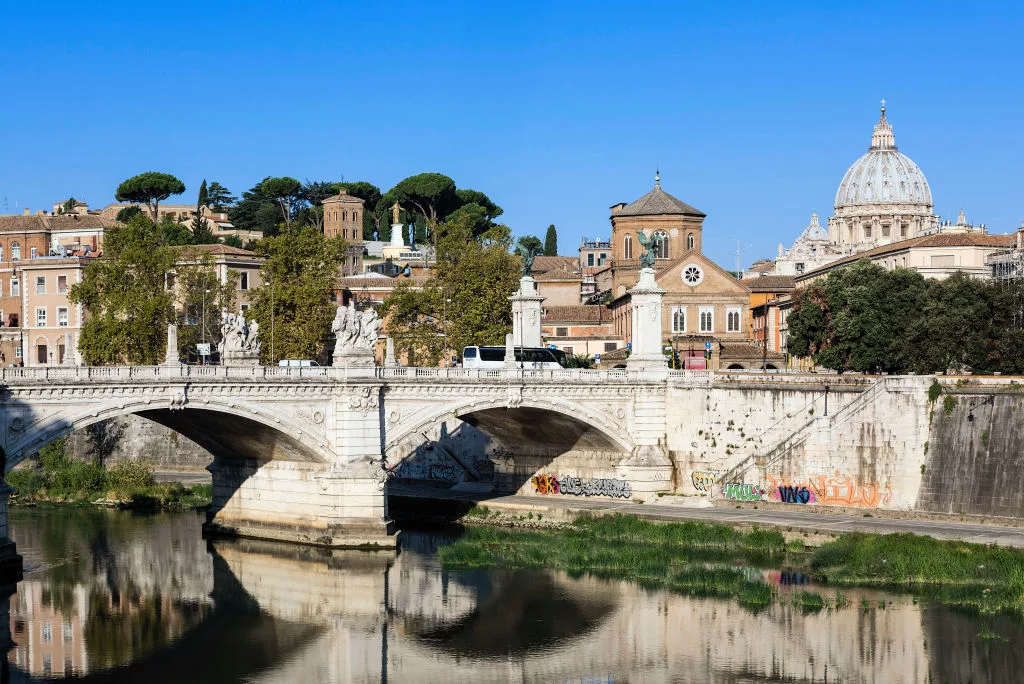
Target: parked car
{"x":299,"y":363}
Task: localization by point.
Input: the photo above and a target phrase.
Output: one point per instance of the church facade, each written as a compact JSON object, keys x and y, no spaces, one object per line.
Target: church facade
{"x":704,"y":305}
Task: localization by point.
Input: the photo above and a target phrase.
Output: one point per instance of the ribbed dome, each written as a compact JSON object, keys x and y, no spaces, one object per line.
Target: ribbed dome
{"x":883,"y":175}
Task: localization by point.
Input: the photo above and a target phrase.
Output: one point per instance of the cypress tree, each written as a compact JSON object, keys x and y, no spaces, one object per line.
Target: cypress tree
{"x":551,"y":241}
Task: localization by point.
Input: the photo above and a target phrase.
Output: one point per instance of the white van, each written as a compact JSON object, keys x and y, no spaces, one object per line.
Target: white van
{"x":529,"y":357}
{"x":297,"y":363}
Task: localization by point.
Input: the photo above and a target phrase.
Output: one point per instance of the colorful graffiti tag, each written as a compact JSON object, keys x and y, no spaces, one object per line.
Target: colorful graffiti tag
{"x":742,"y":492}
{"x":837,"y":490}
{"x":703,"y":480}
{"x":575,"y":486}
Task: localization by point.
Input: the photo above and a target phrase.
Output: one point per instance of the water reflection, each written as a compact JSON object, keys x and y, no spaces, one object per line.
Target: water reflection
{"x":111,"y":597}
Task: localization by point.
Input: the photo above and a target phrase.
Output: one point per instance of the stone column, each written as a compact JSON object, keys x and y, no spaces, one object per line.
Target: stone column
{"x":70,"y":352}
{"x":510,"y":350}
{"x":171,"y":357}
{"x":526,"y":313}
{"x":390,"y":360}
{"x":646,"y":303}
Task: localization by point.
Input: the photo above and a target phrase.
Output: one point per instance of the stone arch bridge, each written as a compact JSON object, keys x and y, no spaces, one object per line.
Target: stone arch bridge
{"x":303,"y":454}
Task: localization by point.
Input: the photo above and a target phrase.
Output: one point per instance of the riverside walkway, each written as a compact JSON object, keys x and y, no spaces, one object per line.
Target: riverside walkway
{"x":797,"y":521}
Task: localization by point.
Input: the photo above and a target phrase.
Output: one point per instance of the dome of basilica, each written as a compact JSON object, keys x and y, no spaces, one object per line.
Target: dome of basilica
{"x":883,"y":175}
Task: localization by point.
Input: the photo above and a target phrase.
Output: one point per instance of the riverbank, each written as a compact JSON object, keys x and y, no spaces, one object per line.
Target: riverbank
{"x":709,"y":560}
{"x":56,"y":479}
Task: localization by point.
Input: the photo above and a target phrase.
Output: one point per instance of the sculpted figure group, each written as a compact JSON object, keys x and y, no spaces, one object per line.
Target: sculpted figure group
{"x":238,"y":335}
{"x":354,"y":330}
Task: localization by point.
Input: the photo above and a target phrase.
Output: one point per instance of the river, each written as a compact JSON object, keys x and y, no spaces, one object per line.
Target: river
{"x":110,"y":596}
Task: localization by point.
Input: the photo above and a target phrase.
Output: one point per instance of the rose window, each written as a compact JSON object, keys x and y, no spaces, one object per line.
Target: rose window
{"x":693,"y":275}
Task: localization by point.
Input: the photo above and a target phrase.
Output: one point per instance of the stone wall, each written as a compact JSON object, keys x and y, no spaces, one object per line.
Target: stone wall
{"x":132,"y":437}
{"x":974,"y":460}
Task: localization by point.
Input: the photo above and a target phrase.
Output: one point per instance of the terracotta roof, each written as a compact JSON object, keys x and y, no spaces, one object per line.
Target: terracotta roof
{"x":581,"y":313}
{"x":745,"y":351}
{"x":924,"y":241}
{"x":342,"y":197}
{"x":658,"y":203}
{"x":614,"y":355}
{"x":20,"y":224}
{"x":770,"y":283}
{"x":556,"y":274}
{"x":220,"y":250}
{"x":550,"y":263}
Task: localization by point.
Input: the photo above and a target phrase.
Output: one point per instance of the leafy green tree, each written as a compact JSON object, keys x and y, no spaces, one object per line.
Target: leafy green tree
{"x":432,"y":195}
{"x":300,"y":279}
{"x":125,"y":214}
{"x":149,"y":188}
{"x":531,"y":242}
{"x":126,"y":295}
{"x":202,"y":297}
{"x":310,"y":202}
{"x":201,"y":233}
{"x":467,"y":297}
{"x":175,"y":233}
{"x":551,"y":241}
{"x":285,"y":191}
{"x":232,"y":241}
{"x":68,"y":207}
{"x":220,"y":198}
{"x":256,"y":211}
{"x":491,"y":210}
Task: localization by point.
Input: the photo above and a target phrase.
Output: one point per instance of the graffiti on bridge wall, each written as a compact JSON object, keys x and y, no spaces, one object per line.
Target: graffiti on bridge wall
{"x":576,"y":486}
{"x":834,"y":490}
{"x":442,"y":471}
{"x":742,"y":492}
{"x":703,"y":480}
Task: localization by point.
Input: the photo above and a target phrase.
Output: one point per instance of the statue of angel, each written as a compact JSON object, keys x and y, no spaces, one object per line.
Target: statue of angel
{"x":527,"y":254}
{"x":369,"y":324}
{"x":650,"y":245}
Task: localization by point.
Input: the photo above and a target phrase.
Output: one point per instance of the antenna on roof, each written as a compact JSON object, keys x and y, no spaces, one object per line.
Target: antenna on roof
{"x":739,"y":254}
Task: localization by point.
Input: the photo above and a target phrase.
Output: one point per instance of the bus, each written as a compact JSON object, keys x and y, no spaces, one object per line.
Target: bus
{"x":528,"y":357}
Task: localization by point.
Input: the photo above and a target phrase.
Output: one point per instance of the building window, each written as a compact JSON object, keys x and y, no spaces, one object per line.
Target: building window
{"x":679,"y":319}
{"x":42,"y":353}
{"x":243,"y":281}
{"x":689,"y":241}
{"x":590,"y":259}
{"x":40,"y":284}
{"x":627,"y":247}
{"x":170,"y":279}
{"x":40,"y":316}
{"x":732,"y":320}
{"x":867,"y":232}
{"x":568,"y":350}
{"x":799,"y":267}
{"x":601,"y":259}
{"x":903,"y":230}
{"x":32,"y":252}
{"x":15,"y":287}
{"x":62,"y":284}
{"x":707,"y":319}
{"x":62,"y":316}
{"x":609,"y":346}
{"x":245,"y":307}
{"x":885,"y":230}
{"x":561,"y":332}
{"x":1,"y":252}
{"x":15,"y":251}
{"x":661,"y":250}
{"x":17,"y":351}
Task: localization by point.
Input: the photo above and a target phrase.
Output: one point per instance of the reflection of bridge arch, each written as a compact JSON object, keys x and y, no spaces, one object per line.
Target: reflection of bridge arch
{"x":225,"y":428}
{"x":551,"y":423}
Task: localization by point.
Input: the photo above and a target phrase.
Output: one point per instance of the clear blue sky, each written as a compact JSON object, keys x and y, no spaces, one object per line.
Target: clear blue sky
{"x":556,"y":110}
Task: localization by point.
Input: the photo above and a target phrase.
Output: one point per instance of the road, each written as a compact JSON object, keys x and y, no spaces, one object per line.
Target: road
{"x":823,"y":523}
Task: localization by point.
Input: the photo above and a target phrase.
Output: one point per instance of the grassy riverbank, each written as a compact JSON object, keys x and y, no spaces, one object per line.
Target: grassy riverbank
{"x":59,"y":479}
{"x":716,"y":560}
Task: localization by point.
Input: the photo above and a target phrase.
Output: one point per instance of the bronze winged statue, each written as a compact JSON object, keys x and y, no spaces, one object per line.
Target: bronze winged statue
{"x":650,"y":245}
{"x":527,"y":254}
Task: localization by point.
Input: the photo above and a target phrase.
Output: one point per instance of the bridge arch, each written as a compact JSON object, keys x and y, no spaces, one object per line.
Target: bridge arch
{"x":225,"y":428}
{"x":562,"y":425}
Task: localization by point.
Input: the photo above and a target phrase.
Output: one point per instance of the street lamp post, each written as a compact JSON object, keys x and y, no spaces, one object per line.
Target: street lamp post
{"x":273,"y":358}
{"x":444,"y":326}
{"x":205,"y":292}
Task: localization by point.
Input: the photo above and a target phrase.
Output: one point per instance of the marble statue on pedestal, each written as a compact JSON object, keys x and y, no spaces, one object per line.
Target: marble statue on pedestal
{"x":355,"y":335}
{"x":239,"y":343}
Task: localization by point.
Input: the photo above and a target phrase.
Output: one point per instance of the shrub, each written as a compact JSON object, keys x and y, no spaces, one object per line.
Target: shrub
{"x":130,"y":476}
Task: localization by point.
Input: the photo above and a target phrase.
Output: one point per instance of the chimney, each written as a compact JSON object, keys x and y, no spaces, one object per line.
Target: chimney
{"x":27,"y":212}
{"x":40,"y":212}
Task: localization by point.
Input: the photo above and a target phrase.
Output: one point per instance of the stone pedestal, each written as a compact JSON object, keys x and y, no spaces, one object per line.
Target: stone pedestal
{"x":353,"y":357}
{"x":240,"y":357}
{"x":646,"y":303}
{"x":171,"y":357}
{"x":390,"y":359}
{"x":70,"y":352}
{"x":510,"y":351}
{"x":526,"y":314}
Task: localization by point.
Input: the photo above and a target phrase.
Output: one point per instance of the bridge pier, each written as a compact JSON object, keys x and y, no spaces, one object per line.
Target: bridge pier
{"x":300,"y":502}
{"x":10,"y":561}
